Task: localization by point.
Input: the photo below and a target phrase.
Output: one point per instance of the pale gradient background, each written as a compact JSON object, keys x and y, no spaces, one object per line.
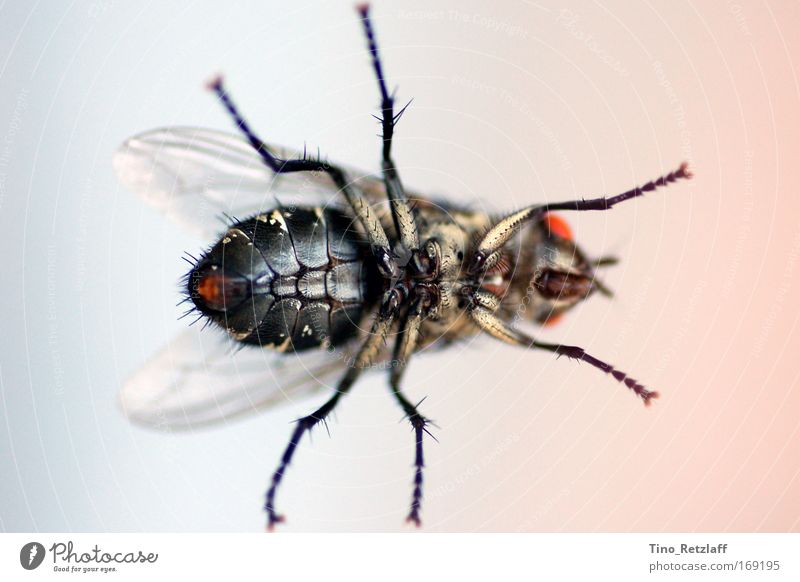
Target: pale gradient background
{"x":528,"y":102}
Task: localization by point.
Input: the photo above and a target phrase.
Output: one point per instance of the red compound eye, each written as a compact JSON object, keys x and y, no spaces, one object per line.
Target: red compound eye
{"x":553,"y":320}
{"x":558,"y":226}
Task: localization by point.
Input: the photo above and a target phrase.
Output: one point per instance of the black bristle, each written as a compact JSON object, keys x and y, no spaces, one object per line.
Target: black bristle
{"x":199,"y":317}
{"x":188,"y":312}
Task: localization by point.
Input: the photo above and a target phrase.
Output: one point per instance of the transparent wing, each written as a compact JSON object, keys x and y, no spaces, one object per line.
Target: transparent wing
{"x":199,"y":379}
{"x":195,"y":175}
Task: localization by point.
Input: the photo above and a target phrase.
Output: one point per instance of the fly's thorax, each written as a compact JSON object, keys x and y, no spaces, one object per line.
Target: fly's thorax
{"x":286,"y":279}
{"x":452,"y":242}
{"x":449,"y":242}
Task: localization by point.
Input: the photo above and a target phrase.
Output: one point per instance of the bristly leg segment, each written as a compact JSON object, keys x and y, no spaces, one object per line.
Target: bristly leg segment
{"x":378,"y":240}
{"x":406,"y":227}
{"x":502,"y":232}
{"x":406,"y":344}
{"x":364,"y":358}
{"x":498,"y":329}
{"x":401,"y":211}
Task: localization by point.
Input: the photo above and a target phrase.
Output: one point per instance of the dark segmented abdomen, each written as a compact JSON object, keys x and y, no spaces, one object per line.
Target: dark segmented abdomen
{"x":318,"y":285}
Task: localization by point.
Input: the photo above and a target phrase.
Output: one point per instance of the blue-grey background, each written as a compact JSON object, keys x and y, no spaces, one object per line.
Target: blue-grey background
{"x":513,"y":103}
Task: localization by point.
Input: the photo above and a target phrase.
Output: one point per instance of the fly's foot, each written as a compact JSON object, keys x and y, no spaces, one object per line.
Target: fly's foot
{"x":420,"y":426}
{"x":273,"y":519}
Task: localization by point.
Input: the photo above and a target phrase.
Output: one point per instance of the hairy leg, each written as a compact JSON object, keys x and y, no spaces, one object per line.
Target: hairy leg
{"x":377,"y":238}
{"x":404,"y":348}
{"x":401,"y":211}
{"x":366,"y":355}
{"x":501,"y":232}
{"x":483,"y":315}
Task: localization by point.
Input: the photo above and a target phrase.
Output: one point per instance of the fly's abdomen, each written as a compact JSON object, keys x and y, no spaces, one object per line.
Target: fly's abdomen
{"x":316,"y":286}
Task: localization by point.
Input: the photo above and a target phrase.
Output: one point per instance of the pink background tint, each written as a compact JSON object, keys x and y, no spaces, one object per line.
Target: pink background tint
{"x":706,"y":306}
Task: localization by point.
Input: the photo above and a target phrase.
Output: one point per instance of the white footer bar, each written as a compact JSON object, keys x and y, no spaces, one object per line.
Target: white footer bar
{"x":407,"y":557}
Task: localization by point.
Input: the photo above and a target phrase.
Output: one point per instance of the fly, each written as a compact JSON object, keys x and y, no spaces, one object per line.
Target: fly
{"x":324,"y":280}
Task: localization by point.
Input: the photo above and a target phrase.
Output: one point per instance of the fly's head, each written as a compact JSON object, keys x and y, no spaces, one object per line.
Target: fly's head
{"x":561,"y":279}
{"x":227,"y":283}
{"x":541,"y":276}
